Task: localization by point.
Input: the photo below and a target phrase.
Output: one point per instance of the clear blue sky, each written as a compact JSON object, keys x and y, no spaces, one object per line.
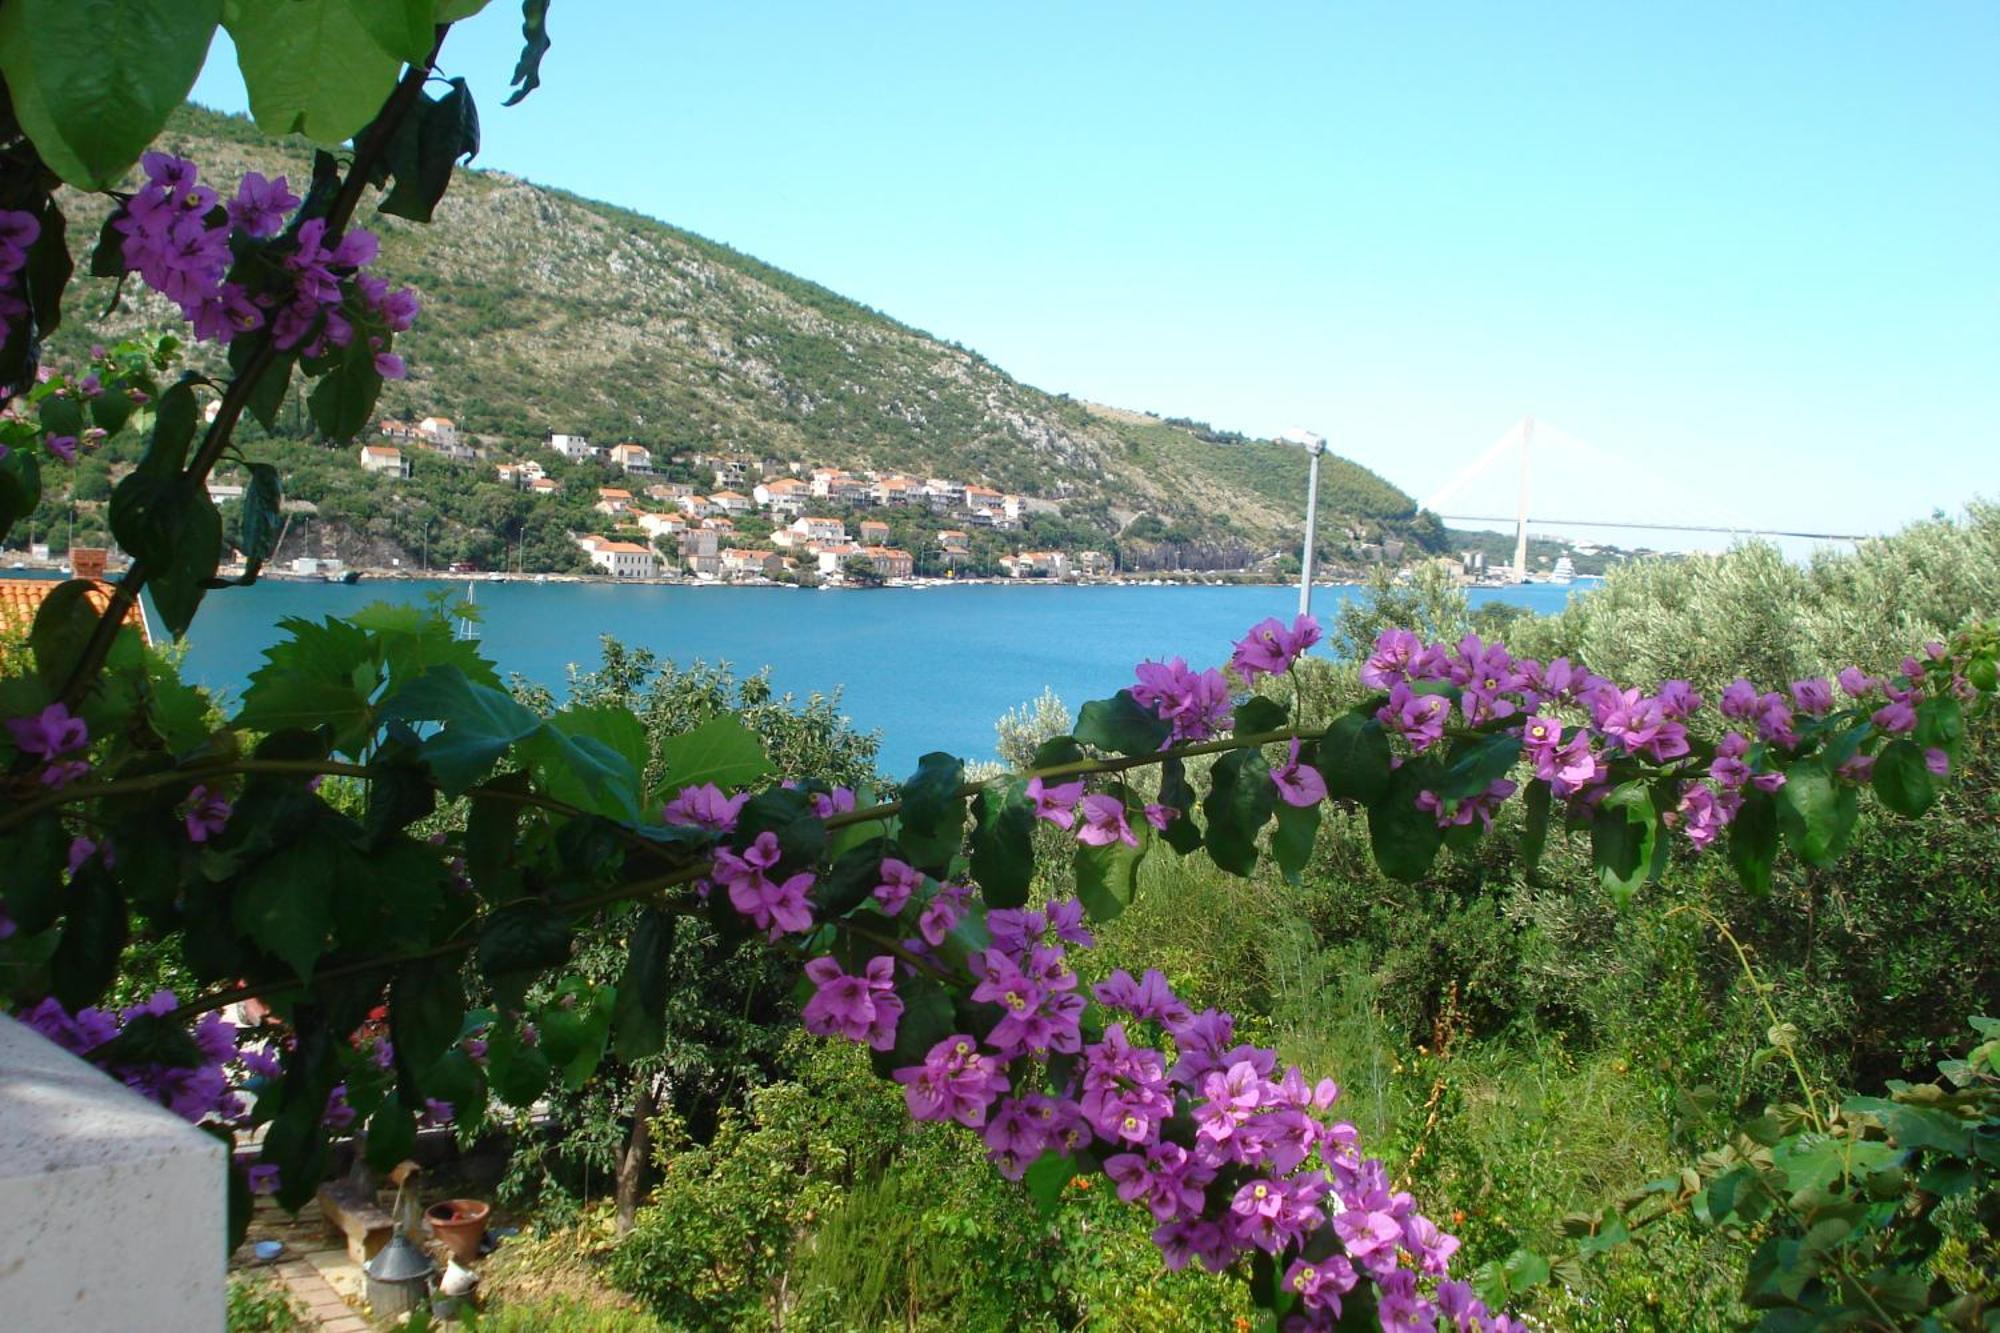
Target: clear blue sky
{"x":1757,"y":245}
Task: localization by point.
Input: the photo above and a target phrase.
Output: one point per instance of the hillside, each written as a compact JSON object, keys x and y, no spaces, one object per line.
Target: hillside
{"x":591,"y":319}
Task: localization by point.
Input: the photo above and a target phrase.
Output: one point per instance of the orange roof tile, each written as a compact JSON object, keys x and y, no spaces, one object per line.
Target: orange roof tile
{"x":21,"y":599}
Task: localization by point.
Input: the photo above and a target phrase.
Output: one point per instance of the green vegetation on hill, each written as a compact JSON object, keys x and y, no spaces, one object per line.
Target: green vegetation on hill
{"x":591,"y":319}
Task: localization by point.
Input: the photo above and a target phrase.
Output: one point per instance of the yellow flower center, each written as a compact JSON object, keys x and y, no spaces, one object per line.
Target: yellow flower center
{"x":1259,"y":1191}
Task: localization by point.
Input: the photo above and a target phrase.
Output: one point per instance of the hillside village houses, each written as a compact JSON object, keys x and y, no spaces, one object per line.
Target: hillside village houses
{"x":703,"y":527}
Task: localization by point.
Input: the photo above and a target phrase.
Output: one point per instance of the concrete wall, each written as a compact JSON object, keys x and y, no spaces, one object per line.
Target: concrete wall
{"x":112,"y":1209}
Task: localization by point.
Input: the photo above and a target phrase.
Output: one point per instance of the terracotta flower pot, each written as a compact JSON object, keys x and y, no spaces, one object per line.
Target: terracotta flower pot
{"x":459,"y":1224}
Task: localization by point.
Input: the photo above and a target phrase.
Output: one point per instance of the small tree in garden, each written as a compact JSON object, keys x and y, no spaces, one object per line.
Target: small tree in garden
{"x":278,"y":850}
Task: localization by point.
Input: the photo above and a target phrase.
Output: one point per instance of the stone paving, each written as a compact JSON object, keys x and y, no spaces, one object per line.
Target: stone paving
{"x":314,"y":1266}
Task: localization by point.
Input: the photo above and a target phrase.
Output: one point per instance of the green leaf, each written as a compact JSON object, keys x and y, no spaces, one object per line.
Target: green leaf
{"x":1258,"y":713}
{"x":518,"y":1072}
{"x":1929,"y":1127}
{"x":320,"y":674}
{"x":36,"y":856}
{"x":1240,"y":801}
{"x":786,"y":816}
{"x":1045,"y":1179}
{"x":1405,"y":840}
{"x":428,"y":144}
{"x":1292,"y":841}
{"x":1107,"y":877}
{"x":933,"y":819}
{"x":1121,"y":725}
{"x":1753,"y":841}
{"x":1475,"y":765}
{"x":517,"y":944}
{"x":402,"y":28}
{"x":426,"y":1009}
{"x":1003,"y":844}
{"x":584,"y":758}
{"x":312,"y":67}
{"x":1941,"y":722}
{"x":928,"y":1018}
{"x":62,"y":627}
{"x":575,"y":1028}
{"x":263,"y":499}
{"x":1816,"y":812}
{"x":457,"y":1080}
{"x":45,"y":276}
{"x":343,"y":402}
{"x":534,"y":45}
{"x":721,"y":750}
{"x":1354,"y":758}
{"x":1057,"y":751}
{"x":490,"y":827}
{"x":93,"y":935}
{"x":285,"y":902}
{"x":93,"y":81}
{"x":1623,"y":831}
{"x":852,"y":877}
{"x":1176,"y":794}
{"x":180,"y":584}
{"x":1902,"y":780}
{"x":1534,"y":823}
{"x":452,"y":11}
{"x":392,"y":1134}
{"x":480,"y":723}
{"x":20,"y":487}
{"x":639,"y":1018}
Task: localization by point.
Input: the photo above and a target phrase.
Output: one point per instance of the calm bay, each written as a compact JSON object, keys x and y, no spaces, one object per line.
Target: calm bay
{"x":929,"y":668}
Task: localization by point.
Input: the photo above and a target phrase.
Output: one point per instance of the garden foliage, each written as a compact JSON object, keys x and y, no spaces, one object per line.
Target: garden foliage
{"x":421,"y":969}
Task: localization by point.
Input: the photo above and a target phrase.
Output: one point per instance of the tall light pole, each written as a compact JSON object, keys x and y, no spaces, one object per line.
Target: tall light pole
{"x":1314,"y":445}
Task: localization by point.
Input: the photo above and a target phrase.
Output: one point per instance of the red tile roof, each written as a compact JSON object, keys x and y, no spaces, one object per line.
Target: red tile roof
{"x":20,"y":599}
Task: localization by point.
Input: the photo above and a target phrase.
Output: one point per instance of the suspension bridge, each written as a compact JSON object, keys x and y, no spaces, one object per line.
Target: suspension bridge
{"x":1530,"y":444}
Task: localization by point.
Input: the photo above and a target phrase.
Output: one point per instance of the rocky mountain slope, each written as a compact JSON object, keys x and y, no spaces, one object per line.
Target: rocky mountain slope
{"x":543,"y":311}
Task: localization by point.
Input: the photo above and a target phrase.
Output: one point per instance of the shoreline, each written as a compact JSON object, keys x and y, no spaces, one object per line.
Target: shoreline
{"x":45,"y":569}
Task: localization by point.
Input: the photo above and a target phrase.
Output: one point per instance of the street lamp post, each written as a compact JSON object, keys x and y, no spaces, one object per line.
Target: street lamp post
{"x":1315,"y":446}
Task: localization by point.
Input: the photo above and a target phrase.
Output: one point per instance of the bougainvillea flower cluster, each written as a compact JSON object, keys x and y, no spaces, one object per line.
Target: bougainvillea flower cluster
{"x":176,"y":235}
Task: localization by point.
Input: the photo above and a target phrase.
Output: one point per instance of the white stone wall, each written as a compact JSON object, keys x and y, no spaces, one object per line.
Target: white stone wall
{"x":112,"y":1209}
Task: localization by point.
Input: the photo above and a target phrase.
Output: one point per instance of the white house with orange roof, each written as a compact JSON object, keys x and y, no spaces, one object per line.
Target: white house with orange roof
{"x":442,"y":431}
{"x":983,"y":499}
{"x":612,"y":500}
{"x":730,"y":502}
{"x":661,"y":525}
{"x":890,"y":563}
{"x":385,"y":459}
{"x":896,"y":491}
{"x":782,"y":494}
{"x":831,"y":555}
{"x":815,"y":529}
{"x":631,"y":458}
{"x":621,"y":559}
{"x":1036,"y":564}
{"x":696,"y":506}
{"x":873,"y":532}
{"x":573,"y":447}
{"x":745,"y":560}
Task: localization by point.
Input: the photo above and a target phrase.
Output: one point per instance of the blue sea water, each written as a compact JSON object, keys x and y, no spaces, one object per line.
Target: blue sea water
{"x":929,"y":668}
